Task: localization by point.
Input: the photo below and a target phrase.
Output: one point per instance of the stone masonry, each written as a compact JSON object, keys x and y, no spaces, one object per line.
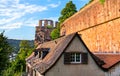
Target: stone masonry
{"x":42,"y":33}
{"x":98,"y":24}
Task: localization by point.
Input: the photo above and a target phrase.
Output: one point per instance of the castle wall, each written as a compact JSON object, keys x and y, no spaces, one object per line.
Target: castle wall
{"x":99,"y":25}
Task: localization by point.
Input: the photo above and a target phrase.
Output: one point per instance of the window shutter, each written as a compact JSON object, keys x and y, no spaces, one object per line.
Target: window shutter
{"x":84,"y":58}
{"x":67,"y":58}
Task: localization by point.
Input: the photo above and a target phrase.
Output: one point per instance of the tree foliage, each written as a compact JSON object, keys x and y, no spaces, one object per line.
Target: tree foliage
{"x":5,"y":51}
{"x":102,"y":1}
{"x":66,"y":12}
{"x":25,"y":50}
{"x":50,"y":27}
{"x":55,"y":34}
{"x":17,"y":67}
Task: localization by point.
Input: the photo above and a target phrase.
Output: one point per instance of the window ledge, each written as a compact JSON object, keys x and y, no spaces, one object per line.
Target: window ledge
{"x":75,"y":62}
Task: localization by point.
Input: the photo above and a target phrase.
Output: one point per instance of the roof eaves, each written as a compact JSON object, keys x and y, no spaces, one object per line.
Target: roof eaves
{"x":112,"y":66}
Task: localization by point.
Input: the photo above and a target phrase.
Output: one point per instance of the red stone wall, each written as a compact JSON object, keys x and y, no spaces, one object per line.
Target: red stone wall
{"x":99,"y":25}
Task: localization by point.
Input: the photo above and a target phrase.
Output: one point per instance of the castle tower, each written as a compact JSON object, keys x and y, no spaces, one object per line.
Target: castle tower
{"x":42,"y":33}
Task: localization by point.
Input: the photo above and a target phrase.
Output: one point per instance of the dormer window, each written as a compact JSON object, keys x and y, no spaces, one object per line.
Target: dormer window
{"x":75,"y":57}
{"x":35,"y":52}
{"x":42,"y":52}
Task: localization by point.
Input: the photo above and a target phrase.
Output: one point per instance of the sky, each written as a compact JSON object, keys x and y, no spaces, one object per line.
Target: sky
{"x":18,"y":18}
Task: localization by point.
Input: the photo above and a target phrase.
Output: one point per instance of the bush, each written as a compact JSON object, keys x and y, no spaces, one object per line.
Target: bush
{"x":55,"y":34}
{"x":49,"y":27}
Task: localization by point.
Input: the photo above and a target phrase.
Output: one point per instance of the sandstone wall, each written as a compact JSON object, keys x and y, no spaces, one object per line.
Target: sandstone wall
{"x":99,"y":25}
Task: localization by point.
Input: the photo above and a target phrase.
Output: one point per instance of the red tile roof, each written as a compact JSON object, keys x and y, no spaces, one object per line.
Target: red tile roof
{"x":109,"y":59}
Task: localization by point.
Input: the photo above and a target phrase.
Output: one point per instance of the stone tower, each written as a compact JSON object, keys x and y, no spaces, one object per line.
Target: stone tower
{"x":43,"y":31}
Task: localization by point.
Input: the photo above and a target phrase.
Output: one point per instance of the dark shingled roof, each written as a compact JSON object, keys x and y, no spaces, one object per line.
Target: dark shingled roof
{"x":58,"y":46}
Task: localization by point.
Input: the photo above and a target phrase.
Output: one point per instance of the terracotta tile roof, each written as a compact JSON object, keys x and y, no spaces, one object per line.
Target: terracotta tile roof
{"x":109,"y":59}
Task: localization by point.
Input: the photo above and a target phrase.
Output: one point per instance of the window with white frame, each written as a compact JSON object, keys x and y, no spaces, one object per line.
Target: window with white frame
{"x":75,"y":57}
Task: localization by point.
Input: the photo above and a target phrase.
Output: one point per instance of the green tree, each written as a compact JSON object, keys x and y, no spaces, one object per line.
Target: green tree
{"x":102,"y":1}
{"x":25,"y":51}
{"x":55,"y":34}
{"x":5,"y":51}
{"x":17,"y":67}
{"x":49,"y":27}
{"x":66,"y":12}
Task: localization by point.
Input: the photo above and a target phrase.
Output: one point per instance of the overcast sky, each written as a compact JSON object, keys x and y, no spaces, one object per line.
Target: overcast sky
{"x":19,"y":17}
